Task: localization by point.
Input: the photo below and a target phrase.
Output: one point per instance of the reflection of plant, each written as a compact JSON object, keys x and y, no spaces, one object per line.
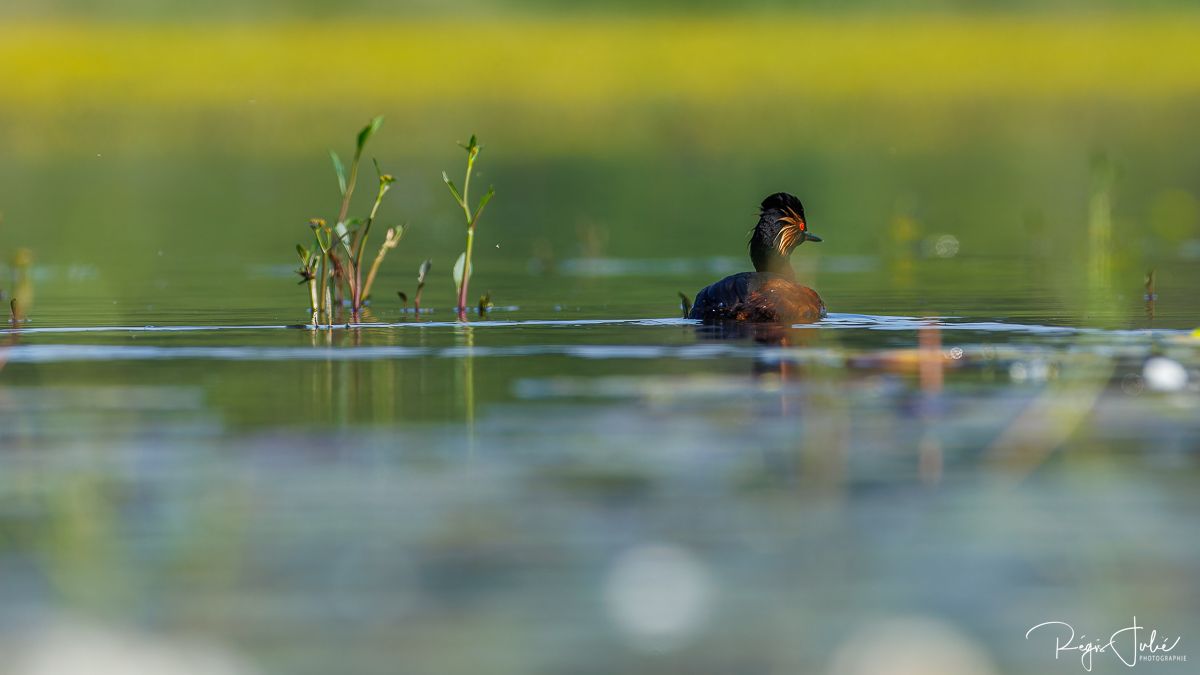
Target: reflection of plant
{"x":462,"y":268}
{"x":335,"y":263}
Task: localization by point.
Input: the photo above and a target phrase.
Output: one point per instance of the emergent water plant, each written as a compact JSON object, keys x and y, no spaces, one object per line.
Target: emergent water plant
{"x":422,"y":272}
{"x":22,"y":286}
{"x":333,"y":267}
{"x":462,"y":268}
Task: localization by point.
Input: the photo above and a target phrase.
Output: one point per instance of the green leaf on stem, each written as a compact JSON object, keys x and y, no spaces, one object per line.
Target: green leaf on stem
{"x":343,"y":235}
{"x":423,"y":271}
{"x":340,"y":170}
{"x":453,"y":190}
{"x":484,"y":202}
{"x":458,"y":272}
{"x":366,"y":133}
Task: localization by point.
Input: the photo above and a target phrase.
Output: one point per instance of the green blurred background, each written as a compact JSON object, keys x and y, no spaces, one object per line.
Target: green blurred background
{"x":170,"y":155}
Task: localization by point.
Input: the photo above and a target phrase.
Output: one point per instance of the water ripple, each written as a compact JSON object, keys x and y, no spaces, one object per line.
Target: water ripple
{"x":833,"y":321}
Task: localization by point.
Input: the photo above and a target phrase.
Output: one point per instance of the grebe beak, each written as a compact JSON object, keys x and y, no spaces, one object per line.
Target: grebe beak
{"x":809,"y":236}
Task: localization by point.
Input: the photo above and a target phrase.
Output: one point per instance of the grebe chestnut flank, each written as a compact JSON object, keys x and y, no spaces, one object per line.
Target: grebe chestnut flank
{"x":770,"y":293}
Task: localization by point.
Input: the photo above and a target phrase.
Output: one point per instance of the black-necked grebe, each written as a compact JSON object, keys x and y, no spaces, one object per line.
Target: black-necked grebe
{"x":770,"y":293}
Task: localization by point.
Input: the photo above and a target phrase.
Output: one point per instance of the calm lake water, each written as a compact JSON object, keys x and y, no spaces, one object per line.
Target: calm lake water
{"x":595,"y":485}
{"x":971,"y":444}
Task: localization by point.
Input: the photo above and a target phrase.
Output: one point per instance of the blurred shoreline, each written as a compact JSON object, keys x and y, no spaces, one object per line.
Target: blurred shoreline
{"x":588,"y":84}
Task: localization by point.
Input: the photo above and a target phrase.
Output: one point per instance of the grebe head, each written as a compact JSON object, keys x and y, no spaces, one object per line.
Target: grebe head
{"x":781,"y":228}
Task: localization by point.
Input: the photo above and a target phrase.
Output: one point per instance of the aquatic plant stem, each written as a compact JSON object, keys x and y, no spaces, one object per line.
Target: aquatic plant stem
{"x":312,"y":292}
{"x":371,"y":276}
{"x":324,"y":274}
{"x":391,"y":240}
{"x":351,"y":274}
{"x":328,"y":308}
{"x":463,"y":199}
{"x":472,"y":153}
{"x":358,"y":293}
{"x":329,"y":267}
{"x":336,"y":280}
{"x":422,"y":273}
{"x":345,"y":209}
{"x":353,"y":178}
{"x":466,"y":274}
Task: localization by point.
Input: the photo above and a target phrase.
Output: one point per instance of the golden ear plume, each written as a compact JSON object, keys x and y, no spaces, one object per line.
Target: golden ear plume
{"x":791,"y":234}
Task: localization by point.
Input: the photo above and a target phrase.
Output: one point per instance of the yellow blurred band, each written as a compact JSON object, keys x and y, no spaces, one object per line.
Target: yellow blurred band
{"x":594,"y":62}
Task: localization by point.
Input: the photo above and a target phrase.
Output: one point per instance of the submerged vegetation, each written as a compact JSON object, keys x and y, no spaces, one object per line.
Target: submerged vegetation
{"x":462,"y":268}
{"x":333,"y":268}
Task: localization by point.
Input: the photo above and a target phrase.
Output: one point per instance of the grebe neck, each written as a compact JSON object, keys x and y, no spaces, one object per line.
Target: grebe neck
{"x":767,"y":259}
